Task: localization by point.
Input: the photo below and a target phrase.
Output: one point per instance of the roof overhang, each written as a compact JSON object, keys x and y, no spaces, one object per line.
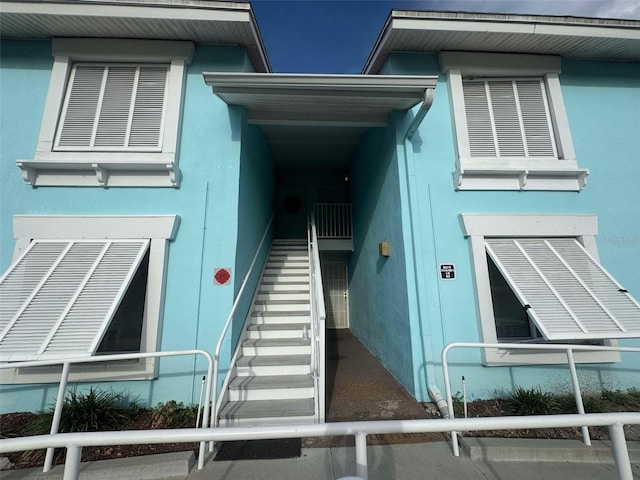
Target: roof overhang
{"x":318,"y":118}
{"x":570,"y":37}
{"x":199,"y":21}
{"x":323,"y":100}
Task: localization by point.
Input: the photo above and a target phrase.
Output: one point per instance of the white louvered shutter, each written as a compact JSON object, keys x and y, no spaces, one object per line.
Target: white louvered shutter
{"x":508,"y":119}
{"x":113,"y":108}
{"x":61,"y":296}
{"x":565,"y":291}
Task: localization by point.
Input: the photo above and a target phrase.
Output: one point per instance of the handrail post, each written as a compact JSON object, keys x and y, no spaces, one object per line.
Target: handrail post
{"x":620,"y":452}
{"x":447,"y":388}
{"x":57,"y":414}
{"x":577,"y":394}
{"x":361,"y":456}
{"x":72,"y":462}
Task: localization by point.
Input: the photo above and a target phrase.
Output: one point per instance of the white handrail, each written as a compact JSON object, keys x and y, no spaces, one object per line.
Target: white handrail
{"x":66,"y":367}
{"x":318,"y":319}
{"x":333,"y":220}
{"x":74,"y":442}
{"x":568,"y":349}
{"x":216,"y":354}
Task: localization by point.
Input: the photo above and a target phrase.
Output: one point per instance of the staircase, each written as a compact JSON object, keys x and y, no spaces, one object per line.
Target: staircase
{"x":271,"y":381}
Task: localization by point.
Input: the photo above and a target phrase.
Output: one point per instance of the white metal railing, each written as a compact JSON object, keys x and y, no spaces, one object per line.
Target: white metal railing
{"x":568,"y":349}
{"x":333,"y":220}
{"x":225,"y":329}
{"x":64,"y":379}
{"x":318,"y":320}
{"x":74,"y":442}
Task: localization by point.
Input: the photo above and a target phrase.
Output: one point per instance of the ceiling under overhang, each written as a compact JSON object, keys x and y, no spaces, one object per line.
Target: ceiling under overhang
{"x":314,"y":122}
{"x":569,"y":37}
{"x":203,"y":22}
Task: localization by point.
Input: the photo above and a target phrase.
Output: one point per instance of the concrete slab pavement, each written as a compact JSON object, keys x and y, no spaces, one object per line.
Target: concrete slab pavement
{"x":432,"y":460}
{"x":408,"y":462}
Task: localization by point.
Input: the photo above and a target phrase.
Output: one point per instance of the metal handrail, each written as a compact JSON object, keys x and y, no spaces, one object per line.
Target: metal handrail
{"x":318,"y":319}
{"x":216,"y":354}
{"x":64,"y":379}
{"x":334,"y":220}
{"x":568,"y":349}
{"x":74,"y":442}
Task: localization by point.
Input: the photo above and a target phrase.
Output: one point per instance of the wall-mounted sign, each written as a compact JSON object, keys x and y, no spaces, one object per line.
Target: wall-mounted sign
{"x":447,"y":271}
{"x":221,"y":276}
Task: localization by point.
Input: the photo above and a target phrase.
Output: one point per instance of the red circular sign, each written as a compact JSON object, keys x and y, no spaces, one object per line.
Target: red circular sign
{"x":222,"y":276}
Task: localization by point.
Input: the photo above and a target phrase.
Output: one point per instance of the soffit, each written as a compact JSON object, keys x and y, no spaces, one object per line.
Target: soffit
{"x":316,"y":121}
{"x":431,"y":32}
{"x":219,"y":23}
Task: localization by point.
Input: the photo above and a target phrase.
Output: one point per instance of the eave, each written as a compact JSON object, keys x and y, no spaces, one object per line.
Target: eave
{"x":202,"y":22}
{"x":432,"y":32}
{"x":316,"y":121}
{"x":339,"y":100}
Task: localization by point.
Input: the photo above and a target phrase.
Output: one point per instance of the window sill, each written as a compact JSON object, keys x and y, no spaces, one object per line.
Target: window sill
{"x":144,"y":369}
{"x":566,"y":179}
{"x":494,"y":357}
{"x":101,"y":170}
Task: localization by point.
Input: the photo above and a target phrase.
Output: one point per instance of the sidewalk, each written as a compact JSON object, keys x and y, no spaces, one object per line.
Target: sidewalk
{"x":432,"y":460}
{"x":483,"y":459}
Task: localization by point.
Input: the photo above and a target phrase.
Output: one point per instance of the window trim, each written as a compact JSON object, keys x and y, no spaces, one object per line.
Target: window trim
{"x":478,"y":226}
{"x":51,"y":167}
{"x":511,"y":174}
{"x":159,"y":229}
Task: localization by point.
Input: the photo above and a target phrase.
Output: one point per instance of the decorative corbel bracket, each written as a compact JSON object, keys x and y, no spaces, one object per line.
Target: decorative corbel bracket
{"x":102,"y":175}
{"x":28,"y":173}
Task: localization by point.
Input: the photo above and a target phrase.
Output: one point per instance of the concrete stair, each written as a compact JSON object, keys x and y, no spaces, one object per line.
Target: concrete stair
{"x":271,"y":381}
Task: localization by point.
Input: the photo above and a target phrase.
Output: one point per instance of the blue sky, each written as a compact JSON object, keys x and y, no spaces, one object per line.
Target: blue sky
{"x":336,"y":36}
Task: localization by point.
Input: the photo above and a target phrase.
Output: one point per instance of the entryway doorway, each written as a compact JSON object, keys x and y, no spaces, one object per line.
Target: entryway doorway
{"x":335,"y":283}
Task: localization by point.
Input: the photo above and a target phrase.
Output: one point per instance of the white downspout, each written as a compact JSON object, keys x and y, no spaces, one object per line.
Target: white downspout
{"x":432,"y":388}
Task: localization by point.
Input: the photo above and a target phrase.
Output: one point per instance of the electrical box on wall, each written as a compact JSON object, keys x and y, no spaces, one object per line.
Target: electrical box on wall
{"x":384,"y":249}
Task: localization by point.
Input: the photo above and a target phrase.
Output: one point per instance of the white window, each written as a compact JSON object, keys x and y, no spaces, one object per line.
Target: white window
{"x":112,"y":114}
{"x":113,"y":107}
{"x":538,"y":278}
{"x":512,"y":131}
{"x":84,"y":286}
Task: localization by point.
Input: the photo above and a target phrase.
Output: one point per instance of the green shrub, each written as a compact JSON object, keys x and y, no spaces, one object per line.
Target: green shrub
{"x":530,"y":401}
{"x":86,"y":412}
{"x":173,"y":415}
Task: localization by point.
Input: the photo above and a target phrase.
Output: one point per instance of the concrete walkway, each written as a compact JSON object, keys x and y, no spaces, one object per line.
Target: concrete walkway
{"x":432,"y":460}
{"x":483,"y":459}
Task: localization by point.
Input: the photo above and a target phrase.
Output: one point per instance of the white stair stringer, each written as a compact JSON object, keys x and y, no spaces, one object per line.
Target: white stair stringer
{"x":271,"y":382}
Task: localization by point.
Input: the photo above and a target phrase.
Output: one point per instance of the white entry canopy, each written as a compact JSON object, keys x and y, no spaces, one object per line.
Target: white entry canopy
{"x":58,"y":299}
{"x":564,"y":290}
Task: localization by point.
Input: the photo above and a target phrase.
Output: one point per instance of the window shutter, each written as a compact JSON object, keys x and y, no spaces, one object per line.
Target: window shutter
{"x":535,"y":118}
{"x":115,"y":111}
{"x":114,"y":108}
{"x":148,"y":113}
{"x":79,"y":114}
{"x":479,"y":122}
{"x":567,"y":293}
{"x":508,"y":119}
{"x":62,"y":296}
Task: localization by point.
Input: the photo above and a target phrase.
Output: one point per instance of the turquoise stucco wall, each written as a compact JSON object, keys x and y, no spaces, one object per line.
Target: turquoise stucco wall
{"x":378,"y":306}
{"x":255,"y":209}
{"x":208,"y":202}
{"x":602,"y":100}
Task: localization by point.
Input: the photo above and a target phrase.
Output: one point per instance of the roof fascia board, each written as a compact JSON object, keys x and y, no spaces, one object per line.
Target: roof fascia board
{"x":518,"y":25}
{"x":380,"y":41}
{"x":144,"y":11}
{"x":377,"y":83}
{"x":535,"y":28}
